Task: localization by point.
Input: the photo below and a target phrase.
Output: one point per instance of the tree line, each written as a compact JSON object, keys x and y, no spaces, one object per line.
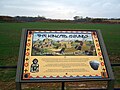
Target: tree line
{"x":96,"y":20}
{"x":77,"y":19}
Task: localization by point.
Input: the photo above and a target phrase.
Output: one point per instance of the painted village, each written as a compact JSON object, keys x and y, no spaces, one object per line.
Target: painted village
{"x":49,"y":47}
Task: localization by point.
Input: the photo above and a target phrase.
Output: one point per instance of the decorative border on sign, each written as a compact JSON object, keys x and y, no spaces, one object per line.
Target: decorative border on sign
{"x":26,"y":74}
{"x":63,"y":77}
{"x":99,"y":54}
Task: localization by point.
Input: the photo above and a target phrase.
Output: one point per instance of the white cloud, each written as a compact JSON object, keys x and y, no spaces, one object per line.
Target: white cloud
{"x":61,"y":9}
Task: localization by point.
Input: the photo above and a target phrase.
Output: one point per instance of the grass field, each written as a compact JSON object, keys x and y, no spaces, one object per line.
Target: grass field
{"x":10,"y":34}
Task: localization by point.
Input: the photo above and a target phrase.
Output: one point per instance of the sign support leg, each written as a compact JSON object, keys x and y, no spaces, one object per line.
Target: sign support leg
{"x":63,"y":85}
{"x":110,"y":85}
{"x":18,"y":86}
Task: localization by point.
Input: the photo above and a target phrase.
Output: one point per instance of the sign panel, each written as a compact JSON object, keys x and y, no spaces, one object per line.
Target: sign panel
{"x":63,"y":54}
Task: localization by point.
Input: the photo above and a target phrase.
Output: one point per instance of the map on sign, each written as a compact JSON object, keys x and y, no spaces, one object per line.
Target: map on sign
{"x":63,"y":54}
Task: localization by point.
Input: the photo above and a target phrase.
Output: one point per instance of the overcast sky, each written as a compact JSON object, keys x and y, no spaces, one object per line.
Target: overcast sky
{"x":61,"y":9}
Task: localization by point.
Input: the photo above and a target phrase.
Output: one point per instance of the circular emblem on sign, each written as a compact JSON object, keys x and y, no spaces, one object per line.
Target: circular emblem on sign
{"x":26,"y":64}
{"x":27,"y":53}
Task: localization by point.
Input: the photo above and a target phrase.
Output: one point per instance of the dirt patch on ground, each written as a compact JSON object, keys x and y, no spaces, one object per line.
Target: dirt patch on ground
{"x":7,"y":85}
{"x":114,"y":58}
{"x":68,"y":85}
{"x":53,"y":86}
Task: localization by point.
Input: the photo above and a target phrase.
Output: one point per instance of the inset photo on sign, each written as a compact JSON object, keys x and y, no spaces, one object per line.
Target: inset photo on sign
{"x":62,"y":44}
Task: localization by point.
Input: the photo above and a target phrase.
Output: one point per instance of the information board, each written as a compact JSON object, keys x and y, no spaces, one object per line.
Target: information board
{"x":62,"y":54}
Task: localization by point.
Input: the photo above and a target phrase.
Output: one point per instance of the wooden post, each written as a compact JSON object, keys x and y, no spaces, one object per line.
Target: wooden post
{"x":63,"y":85}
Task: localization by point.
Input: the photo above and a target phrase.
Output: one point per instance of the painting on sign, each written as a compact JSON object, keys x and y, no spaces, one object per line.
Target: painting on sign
{"x":57,"y":44}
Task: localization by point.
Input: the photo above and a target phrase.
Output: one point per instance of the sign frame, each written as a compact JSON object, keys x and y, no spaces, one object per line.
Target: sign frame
{"x":22,"y":53}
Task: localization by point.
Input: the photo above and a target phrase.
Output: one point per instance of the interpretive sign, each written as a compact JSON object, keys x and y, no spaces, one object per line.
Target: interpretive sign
{"x":60,"y":55}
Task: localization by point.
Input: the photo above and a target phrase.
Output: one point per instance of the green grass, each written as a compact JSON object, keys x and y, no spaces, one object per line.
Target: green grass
{"x":10,"y":34}
{"x":116,"y":71}
{"x":7,"y":75}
